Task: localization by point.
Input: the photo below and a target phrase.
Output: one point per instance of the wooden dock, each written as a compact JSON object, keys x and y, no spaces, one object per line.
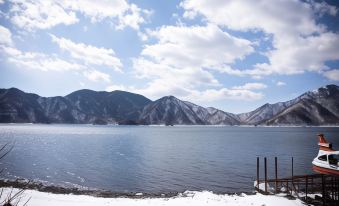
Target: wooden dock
{"x":315,"y":189}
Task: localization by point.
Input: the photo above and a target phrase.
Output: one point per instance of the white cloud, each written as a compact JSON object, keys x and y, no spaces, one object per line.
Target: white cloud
{"x":183,"y":59}
{"x":250,"y":86}
{"x":121,"y":11}
{"x":98,"y":10}
{"x":186,"y":77}
{"x":41,"y":14}
{"x":244,"y":15}
{"x":196,"y":46}
{"x":96,"y":76}
{"x":39,"y":61}
{"x":332,"y":74}
{"x":299,"y":43}
{"x":280,"y":83}
{"x":134,"y":17}
{"x":45,"y":62}
{"x":165,"y":80}
{"x":302,"y":54}
{"x":159,"y":88}
{"x":114,"y":87}
{"x":190,"y":14}
{"x":323,"y":8}
{"x":5,"y":36}
{"x":142,"y":36}
{"x":211,"y":95}
{"x":243,"y":92}
{"x":89,"y":54}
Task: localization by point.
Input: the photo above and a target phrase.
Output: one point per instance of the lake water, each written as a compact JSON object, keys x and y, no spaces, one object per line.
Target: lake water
{"x":155,"y":159}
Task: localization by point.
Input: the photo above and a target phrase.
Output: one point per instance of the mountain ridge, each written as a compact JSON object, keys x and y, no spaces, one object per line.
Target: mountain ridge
{"x":317,"y":107}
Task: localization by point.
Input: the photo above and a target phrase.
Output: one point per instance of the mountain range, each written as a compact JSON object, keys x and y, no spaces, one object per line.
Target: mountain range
{"x":318,"y":107}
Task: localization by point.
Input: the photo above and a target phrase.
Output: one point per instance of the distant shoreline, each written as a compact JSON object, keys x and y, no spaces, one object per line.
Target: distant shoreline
{"x":175,"y":125}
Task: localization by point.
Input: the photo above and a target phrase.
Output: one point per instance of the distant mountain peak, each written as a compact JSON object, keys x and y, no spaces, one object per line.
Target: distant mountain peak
{"x":171,"y":97}
{"x":82,"y":106}
{"x":14,"y":90}
{"x":171,"y":110}
{"x":317,"y":107}
{"x":82,"y":92}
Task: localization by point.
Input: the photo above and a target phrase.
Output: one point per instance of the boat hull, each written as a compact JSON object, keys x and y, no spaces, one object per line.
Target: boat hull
{"x":327,"y":171}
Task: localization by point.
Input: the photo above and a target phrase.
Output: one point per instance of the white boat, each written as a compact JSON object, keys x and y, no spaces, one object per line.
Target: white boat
{"x":327,"y":160}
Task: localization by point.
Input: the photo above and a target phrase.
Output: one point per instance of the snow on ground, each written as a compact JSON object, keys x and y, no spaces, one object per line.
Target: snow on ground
{"x":188,"y":198}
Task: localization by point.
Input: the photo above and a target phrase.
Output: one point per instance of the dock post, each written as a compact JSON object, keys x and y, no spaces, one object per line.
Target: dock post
{"x":292,"y":168}
{"x":306,"y":189}
{"x":323,"y":189}
{"x":337,"y":188}
{"x":292,"y":173}
{"x":265,"y":163}
{"x":276,"y":174}
{"x":312,"y":185}
{"x":332,"y":189}
{"x":258,"y":172}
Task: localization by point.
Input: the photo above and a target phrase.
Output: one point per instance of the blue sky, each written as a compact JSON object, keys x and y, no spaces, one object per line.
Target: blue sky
{"x":234,"y":55}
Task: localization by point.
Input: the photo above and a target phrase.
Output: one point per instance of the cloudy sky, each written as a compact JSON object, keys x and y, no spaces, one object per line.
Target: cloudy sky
{"x":234,"y":55}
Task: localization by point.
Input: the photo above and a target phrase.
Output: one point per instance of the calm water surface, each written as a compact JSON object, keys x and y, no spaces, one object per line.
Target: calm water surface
{"x":156,"y":159}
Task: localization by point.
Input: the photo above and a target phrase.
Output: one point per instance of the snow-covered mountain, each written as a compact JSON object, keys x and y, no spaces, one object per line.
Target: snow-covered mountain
{"x":304,"y":112}
{"x":169,"y":110}
{"x":318,"y":107}
{"x":265,"y":112}
{"x":219,"y":117}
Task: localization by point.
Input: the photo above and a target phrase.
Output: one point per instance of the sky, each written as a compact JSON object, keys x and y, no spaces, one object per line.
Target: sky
{"x":234,"y":55}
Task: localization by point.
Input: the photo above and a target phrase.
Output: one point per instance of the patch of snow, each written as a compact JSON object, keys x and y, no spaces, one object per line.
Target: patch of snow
{"x":188,"y":198}
{"x":262,"y":187}
{"x":316,"y":91}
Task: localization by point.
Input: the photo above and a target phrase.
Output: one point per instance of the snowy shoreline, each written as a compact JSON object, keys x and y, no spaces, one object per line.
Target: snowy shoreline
{"x":49,"y":187}
{"x":187,"y":198}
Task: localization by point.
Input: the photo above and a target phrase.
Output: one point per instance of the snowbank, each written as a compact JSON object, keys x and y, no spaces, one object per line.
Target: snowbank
{"x":188,"y":198}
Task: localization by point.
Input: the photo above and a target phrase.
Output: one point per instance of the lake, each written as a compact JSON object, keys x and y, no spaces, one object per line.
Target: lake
{"x":153,"y":159}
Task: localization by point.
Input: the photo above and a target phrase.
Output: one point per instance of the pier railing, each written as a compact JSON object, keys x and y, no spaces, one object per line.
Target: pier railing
{"x":316,"y":189}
